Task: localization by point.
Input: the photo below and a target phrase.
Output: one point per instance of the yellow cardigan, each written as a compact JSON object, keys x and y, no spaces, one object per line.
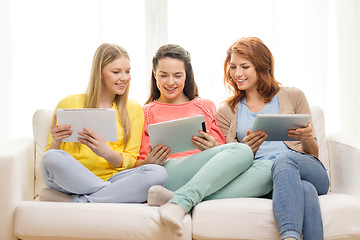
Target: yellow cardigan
{"x":98,"y":165}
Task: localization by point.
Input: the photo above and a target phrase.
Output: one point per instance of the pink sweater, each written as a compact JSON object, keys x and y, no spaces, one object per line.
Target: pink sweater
{"x":159,"y":112}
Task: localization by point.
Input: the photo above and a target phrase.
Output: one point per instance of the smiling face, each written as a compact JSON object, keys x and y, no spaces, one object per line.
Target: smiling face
{"x":170,"y":78}
{"x":243,"y":73}
{"x":116,"y":77}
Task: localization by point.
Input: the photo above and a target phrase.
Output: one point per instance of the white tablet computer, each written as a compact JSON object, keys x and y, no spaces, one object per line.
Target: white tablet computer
{"x":277,"y":125}
{"x":176,"y":134}
{"x":102,"y":121}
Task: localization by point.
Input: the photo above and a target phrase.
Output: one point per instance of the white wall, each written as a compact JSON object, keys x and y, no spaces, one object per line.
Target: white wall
{"x":156,"y":32}
{"x":164,"y":22}
{"x":53,"y":45}
{"x":348,"y":37}
{"x":5,"y":70}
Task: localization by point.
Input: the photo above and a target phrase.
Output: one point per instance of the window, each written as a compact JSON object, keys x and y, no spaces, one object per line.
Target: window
{"x":53,"y":45}
{"x":53,"y":42}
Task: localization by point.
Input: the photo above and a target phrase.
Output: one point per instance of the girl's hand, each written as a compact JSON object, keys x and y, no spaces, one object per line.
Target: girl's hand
{"x":305,"y":135}
{"x":204,"y":143}
{"x":95,"y":143}
{"x":254,"y":139}
{"x":158,"y":155}
{"x":58,"y":133}
{"x":302,"y":134}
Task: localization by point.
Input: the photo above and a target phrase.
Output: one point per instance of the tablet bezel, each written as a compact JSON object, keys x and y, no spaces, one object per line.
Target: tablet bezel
{"x":102,"y":121}
{"x":277,"y":125}
{"x":176,"y":134}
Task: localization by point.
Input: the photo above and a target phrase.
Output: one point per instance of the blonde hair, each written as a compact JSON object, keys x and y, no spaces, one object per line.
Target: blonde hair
{"x":105,"y":54}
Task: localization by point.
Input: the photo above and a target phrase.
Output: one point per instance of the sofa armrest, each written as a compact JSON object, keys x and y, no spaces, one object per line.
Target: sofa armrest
{"x":344,"y":154}
{"x":16,"y":181}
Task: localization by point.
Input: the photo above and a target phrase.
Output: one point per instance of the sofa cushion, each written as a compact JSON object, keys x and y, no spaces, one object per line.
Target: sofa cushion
{"x":236,"y":218}
{"x":41,"y":129}
{"x":344,"y":152}
{"x":35,"y":220}
{"x":318,"y":121}
{"x":252,"y":218}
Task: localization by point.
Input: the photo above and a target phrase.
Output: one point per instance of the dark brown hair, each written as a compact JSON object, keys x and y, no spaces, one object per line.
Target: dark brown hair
{"x":176,"y":52}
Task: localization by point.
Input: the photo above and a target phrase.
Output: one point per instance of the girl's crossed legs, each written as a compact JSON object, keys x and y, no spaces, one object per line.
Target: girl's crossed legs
{"x":219,"y":172}
{"x":76,"y":183}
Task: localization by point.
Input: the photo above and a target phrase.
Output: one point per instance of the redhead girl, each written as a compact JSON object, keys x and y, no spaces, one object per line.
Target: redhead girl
{"x":94,"y":170}
{"x":215,"y":170}
{"x":298,"y":175}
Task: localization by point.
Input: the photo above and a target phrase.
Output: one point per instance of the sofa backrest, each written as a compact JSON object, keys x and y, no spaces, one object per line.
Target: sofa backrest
{"x":318,"y":120}
{"x":41,"y":127}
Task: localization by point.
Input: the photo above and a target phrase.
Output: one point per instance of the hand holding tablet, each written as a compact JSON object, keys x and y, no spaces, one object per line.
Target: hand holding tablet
{"x":276,"y":126}
{"x":176,"y":134}
{"x":101,"y":121}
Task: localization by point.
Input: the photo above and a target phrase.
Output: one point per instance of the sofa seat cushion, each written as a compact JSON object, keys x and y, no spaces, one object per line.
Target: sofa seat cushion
{"x":35,"y":220}
{"x":252,"y":218}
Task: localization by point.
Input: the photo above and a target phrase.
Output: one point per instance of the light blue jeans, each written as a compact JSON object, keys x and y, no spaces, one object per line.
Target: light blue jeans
{"x":64,"y":173}
{"x":226,"y":171}
{"x":298,"y":180}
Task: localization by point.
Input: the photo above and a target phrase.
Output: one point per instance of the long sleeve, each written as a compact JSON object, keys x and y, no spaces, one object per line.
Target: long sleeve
{"x":73,"y":101}
{"x":227,"y":121}
{"x":145,"y":142}
{"x":130,"y":151}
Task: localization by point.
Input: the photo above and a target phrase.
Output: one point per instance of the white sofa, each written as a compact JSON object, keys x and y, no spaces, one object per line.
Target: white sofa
{"x":243,"y":218}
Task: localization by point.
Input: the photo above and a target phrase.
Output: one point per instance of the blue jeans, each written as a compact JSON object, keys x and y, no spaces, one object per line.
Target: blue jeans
{"x":64,"y":173}
{"x":298,"y":180}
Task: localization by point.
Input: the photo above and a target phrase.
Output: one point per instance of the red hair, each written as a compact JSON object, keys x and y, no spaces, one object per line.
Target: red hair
{"x":255,"y":51}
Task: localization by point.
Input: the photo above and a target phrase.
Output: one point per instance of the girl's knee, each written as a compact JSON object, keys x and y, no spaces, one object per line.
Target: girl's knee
{"x":51,"y":157}
{"x":284,"y":162}
{"x":239,"y":147}
{"x":287,"y":157}
{"x":244,"y":155}
{"x":264,"y":173}
{"x":308,"y":187}
{"x":316,"y":188}
{"x":310,"y":194}
{"x":57,"y":160}
{"x":241,"y":150}
{"x":157,"y":173}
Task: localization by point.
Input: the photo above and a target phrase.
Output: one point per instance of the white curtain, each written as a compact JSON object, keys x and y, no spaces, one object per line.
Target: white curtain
{"x":5,"y":71}
{"x":348,"y":63}
{"x":53,"y":45}
{"x":315,"y":43}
